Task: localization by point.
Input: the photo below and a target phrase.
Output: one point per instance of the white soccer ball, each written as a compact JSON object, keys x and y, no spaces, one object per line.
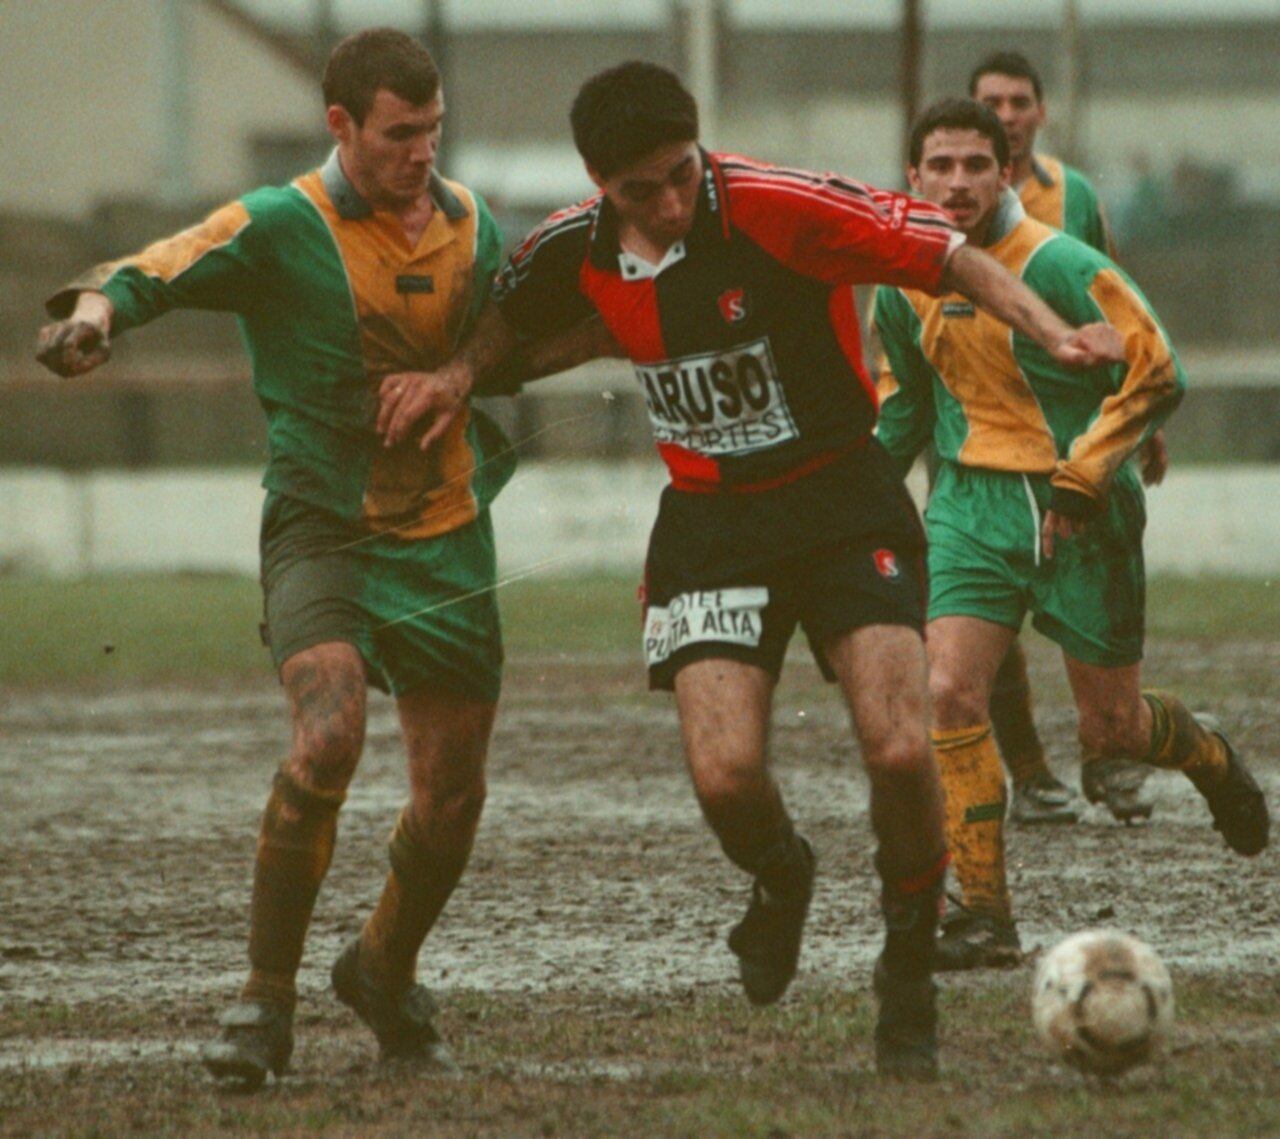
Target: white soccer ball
{"x":1102,"y":1001}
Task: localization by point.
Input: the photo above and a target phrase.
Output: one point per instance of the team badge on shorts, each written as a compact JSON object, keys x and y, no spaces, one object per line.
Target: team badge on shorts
{"x":886,"y":563}
{"x":733,"y":305}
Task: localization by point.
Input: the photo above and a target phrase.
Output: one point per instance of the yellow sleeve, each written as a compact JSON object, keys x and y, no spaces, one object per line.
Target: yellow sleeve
{"x":1153,"y":384}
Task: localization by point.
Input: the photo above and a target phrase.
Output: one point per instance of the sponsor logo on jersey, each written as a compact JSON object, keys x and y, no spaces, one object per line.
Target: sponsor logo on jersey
{"x":415,"y":283}
{"x":886,"y":563}
{"x":958,"y":309}
{"x":733,"y":305}
{"x":720,"y":616}
{"x":729,"y":402}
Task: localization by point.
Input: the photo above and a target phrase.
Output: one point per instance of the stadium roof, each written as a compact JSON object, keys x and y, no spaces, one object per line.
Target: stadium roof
{"x":600,"y":14}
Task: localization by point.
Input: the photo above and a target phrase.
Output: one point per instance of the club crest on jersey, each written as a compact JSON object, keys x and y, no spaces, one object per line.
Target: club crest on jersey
{"x":733,"y":305}
{"x":886,"y":564}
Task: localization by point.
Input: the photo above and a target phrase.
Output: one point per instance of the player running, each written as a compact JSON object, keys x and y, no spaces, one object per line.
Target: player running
{"x":377,"y":562}
{"x":1060,"y":196}
{"x":727,"y":283}
{"x":1035,"y":508}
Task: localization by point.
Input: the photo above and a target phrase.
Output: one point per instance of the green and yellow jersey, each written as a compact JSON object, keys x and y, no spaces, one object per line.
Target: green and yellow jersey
{"x":331,"y":297}
{"x":1060,"y":196}
{"x":992,"y":399}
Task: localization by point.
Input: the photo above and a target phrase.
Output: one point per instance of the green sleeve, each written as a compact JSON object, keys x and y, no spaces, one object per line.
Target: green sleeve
{"x":216,"y":265}
{"x":488,"y":258}
{"x":907,"y":410}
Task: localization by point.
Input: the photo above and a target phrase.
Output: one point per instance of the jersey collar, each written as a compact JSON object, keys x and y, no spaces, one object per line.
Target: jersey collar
{"x":351,"y":206}
{"x":1040,"y":173}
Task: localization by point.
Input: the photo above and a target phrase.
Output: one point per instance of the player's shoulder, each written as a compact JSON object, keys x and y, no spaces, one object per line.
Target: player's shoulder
{"x":745,"y":177}
{"x":567,"y":228}
{"x":1073,"y":180}
{"x":272,"y":207}
{"x":1058,"y":256}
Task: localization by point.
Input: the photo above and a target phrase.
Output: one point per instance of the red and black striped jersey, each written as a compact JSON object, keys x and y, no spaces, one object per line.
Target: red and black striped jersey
{"x":747,"y":348}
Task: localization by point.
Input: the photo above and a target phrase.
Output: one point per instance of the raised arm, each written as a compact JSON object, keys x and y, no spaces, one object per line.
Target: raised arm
{"x":991,"y":286}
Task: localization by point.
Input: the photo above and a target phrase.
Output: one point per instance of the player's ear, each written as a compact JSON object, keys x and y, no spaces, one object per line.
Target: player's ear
{"x":913,"y":179}
{"x":1006,"y":176}
{"x":595,"y":176}
{"x":339,"y":122}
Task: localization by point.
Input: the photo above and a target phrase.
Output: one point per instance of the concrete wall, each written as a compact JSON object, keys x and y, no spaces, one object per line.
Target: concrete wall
{"x":85,"y":102}
{"x":554,"y":517}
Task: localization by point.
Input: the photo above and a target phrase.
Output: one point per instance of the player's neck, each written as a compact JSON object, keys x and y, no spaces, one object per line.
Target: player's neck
{"x":1023,"y":168}
{"x":414,"y":216}
{"x":641,"y":245}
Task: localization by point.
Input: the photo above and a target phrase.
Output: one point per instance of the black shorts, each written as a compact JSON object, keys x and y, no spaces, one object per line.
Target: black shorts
{"x":732,"y":576}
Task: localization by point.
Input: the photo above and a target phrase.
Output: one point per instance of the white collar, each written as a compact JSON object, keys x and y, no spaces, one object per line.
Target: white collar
{"x":636,"y":268}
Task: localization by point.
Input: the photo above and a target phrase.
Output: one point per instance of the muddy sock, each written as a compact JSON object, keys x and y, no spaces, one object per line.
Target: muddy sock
{"x":413,"y":897}
{"x":911,"y":908}
{"x":973,"y":781}
{"x":1012,"y":719}
{"x":1179,"y":742}
{"x":295,"y":847}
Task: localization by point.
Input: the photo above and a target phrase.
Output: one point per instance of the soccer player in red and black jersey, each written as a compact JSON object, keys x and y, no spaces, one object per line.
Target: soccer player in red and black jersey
{"x":728,"y":283}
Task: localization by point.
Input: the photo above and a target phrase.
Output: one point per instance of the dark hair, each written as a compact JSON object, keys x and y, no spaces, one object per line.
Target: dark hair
{"x":1007,"y":63}
{"x":364,"y":63}
{"x":959,"y":115}
{"x":627,"y":112}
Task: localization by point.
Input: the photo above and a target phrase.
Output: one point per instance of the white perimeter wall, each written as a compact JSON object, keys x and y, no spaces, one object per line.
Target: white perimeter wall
{"x":555,"y":517}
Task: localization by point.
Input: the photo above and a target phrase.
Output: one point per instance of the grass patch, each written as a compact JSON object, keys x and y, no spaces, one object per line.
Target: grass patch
{"x":154,"y":627}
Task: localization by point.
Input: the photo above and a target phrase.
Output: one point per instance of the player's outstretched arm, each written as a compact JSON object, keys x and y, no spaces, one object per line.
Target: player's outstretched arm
{"x":991,"y":286}
{"x":491,"y":361}
{"x":81,"y":342}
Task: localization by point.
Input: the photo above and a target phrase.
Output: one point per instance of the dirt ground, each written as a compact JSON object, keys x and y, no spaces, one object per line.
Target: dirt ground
{"x":129,"y":820}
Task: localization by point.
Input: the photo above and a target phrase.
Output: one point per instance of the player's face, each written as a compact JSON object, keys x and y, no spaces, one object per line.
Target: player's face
{"x":1013,"y":99}
{"x":658,"y":195}
{"x":959,"y":172}
{"x":392,"y":153}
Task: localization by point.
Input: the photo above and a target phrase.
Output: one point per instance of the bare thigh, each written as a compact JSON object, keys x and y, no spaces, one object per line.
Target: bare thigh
{"x":882,"y":673}
{"x":724,"y":710}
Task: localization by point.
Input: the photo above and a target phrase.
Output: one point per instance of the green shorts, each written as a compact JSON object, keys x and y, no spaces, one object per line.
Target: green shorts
{"x":985,"y":561}
{"x":420,"y":612}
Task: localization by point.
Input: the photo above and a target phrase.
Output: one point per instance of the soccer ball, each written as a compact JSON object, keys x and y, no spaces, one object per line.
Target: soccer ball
{"x":1103,"y":1001}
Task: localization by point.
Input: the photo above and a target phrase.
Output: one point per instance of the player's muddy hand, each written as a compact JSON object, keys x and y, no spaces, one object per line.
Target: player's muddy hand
{"x":1090,"y":345}
{"x":430,"y":399}
{"x":73,"y":347}
{"x":1055,"y":526}
{"x":1153,"y":460}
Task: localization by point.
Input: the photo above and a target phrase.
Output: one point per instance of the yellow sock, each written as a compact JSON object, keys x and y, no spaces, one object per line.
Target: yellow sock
{"x":973,"y":780}
{"x":295,"y":847}
{"x":1180,"y":743}
{"x":414,"y":894}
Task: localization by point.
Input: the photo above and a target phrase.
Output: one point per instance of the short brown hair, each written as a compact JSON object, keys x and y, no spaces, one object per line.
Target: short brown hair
{"x":959,"y":115}
{"x":1013,"y":64}
{"x":364,"y":63}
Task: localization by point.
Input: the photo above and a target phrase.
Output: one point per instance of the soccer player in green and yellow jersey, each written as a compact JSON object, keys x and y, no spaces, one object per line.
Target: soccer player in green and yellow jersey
{"x":1060,"y":196}
{"x":1035,"y":508}
{"x":378,"y":562}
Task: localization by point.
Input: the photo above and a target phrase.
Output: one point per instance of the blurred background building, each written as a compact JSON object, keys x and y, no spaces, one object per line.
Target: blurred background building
{"x":125,"y":119}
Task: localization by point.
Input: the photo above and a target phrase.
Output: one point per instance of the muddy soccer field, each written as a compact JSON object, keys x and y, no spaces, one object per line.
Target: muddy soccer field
{"x":581,"y":965}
